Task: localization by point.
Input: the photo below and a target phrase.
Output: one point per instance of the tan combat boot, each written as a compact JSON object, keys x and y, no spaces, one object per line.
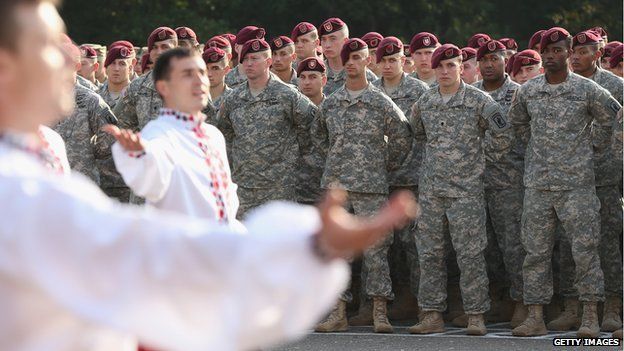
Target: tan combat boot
{"x":611,"y":320}
{"x":336,"y":321}
{"x":519,"y":315}
{"x":569,"y":318}
{"x":476,"y":325}
{"x":380,"y":316}
{"x":364,"y":315}
{"x":589,"y":326}
{"x":431,"y":322}
{"x":533,"y":325}
{"x":617,"y":334}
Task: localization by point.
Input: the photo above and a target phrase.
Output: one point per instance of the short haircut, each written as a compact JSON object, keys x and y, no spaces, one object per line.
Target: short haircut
{"x":9,"y":27}
{"x":162,"y":68}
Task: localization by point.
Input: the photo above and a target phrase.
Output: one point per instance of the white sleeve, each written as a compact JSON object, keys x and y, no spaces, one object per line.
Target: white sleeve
{"x":175,"y":282}
{"x":58,"y":146}
{"x":148,"y":174}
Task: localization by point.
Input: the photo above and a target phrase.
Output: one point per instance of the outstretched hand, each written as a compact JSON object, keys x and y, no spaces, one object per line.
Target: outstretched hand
{"x":345,"y":235}
{"x":128,"y":139}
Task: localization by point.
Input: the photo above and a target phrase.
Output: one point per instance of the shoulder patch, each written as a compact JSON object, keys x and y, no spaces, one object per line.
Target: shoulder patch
{"x":498,"y":119}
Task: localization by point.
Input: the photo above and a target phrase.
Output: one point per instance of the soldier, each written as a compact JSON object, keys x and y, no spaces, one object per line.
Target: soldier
{"x":477,"y":40}
{"x":404,"y":92}
{"x":453,"y":118}
{"x":584,"y":58}
{"x":283,"y":54}
{"x":606,"y":55}
{"x":146,"y":63}
{"x":372,"y":39}
{"x":266,"y":126}
{"x":140,"y":102}
{"x":511,"y":46}
{"x":119,"y":65}
{"x":85,"y":142}
{"x":88,"y":66}
{"x":237,"y":76}
{"x":615,"y":62}
{"x":334,"y":33}
{"x":187,"y":38}
{"x":470,"y":73}
{"x":422,"y":47}
{"x":526,"y":65}
{"x":552,"y":115}
{"x":534,"y":42}
{"x":312,"y":79}
{"x":367,"y":138}
{"x":503,"y":185}
{"x":306,"y":40}
{"x":231,"y":38}
{"x":217,"y":67}
{"x":408,"y":66}
{"x":221,"y":43}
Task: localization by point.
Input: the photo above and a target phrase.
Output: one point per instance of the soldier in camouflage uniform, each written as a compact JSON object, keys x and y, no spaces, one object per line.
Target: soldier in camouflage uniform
{"x":553,"y":115}
{"x":217,"y":67}
{"x":334,"y":33}
{"x":372,"y":39}
{"x":306,"y":41}
{"x":89,"y":64}
{"x":367,"y":138}
{"x":454,"y":118}
{"x":503,"y":190}
{"x":584,"y":58}
{"x":283,"y":54}
{"x":266,"y":125}
{"x":237,"y":75}
{"x":422,"y":46}
{"x":404,"y":92}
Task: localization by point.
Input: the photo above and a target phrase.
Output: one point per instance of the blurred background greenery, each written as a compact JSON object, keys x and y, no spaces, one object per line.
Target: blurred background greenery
{"x":104,"y":21}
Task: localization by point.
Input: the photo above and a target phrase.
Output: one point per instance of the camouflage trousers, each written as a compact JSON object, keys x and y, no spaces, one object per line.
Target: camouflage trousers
{"x":504,"y":208}
{"x":404,"y":266}
{"x":122,"y":194}
{"x":577,"y":210}
{"x":376,"y":280}
{"x":250,"y":198}
{"x":609,"y":250}
{"x":465,"y":218}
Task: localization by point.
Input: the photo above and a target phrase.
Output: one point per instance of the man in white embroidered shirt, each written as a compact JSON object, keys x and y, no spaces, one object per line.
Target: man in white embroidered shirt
{"x":179,"y":162}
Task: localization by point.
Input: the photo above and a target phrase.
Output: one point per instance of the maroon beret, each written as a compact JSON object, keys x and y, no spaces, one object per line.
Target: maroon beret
{"x":444,"y":52}
{"x":388,"y":46}
{"x":186,"y":33}
{"x":311,"y":64}
{"x":608,"y":49}
{"x":118,"y":52}
{"x":536,"y":38}
{"x":372,"y":39}
{"x":423,"y":40}
{"x":553,"y":35}
{"x":600,"y":31}
{"x":230,"y":37}
{"x":281,"y":42}
{"x":125,"y":43}
{"x":509,"y":43}
{"x":510,"y":63}
{"x":145,"y":60}
{"x":616,"y":56}
{"x":587,"y":37}
{"x":331,"y":25}
{"x":160,"y":34}
{"x":213,"y":55}
{"x":248,"y":33}
{"x":302,"y":28}
{"x":490,"y":47}
{"x":351,"y":45}
{"x":87,"y":51}
{"x":477,"y":40}
{"x":468,"y":53}
{"x":525,"y":58}
{"x":218,"y":42}
{"x":254,"y":45}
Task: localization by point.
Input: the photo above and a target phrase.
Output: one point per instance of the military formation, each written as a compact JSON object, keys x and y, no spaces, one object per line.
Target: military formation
{"x":515,"y":157}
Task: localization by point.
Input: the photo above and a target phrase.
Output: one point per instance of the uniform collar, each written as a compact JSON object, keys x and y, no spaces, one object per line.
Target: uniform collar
{"x":456,"y":100}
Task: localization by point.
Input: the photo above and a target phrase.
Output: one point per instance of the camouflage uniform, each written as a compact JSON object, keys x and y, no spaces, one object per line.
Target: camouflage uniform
{"x":234,"y":78}
{"x":139,"y":104}
{"x":366,"y":139}
{"x":555,"y":124}
{"x":311,"y":171}
{"x":608,"y":176}
{"x":337,"y":79}
{"x":405,"y":95}
{"x":213,"y":106}
{"x":504,"y":197}
{"x":107,"y":96}
{"x":85,"y":142}
{"x":451,"y":191}
{"x":431,"y":82}
{"x":86,"y":84}
{"x":265,"y":136}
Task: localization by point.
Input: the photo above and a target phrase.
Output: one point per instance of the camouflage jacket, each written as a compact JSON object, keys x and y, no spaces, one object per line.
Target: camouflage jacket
{"x":213,"y":106}
{"x":265,"y":134}
{"x":507,"y":171}
{"x":365,"y":138}
{"x":406,"y":94}
{"x":85,"y":142}
{"x":609,"y":81}
{"x":555,"y":124}
{"x":108,"y":97}
{"x":234,"y":78}
{"x":336,"y":80}
{"x":431,"y":82}
{"x":454,"y":157}
{"x":139,"y":104}
{"x":85,"y":83}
